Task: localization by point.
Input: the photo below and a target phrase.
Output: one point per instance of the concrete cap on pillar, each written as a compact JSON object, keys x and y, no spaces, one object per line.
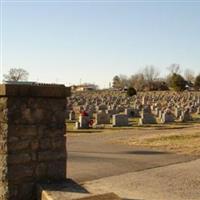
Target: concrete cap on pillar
{"x":35,"y":90}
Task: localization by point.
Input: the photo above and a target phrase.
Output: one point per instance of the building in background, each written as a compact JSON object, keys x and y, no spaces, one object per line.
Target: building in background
{"x":84,"y":87}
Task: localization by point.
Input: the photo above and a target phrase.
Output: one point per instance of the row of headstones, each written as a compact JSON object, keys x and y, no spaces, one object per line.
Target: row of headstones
{"x":167,"y":107}
{"x":103,"y":117}
{"x":72,"y":115}
{"x":166,"y":116}
{"x":116,"y":110}
{"x":101,"y":98}
{"x":119,"y":120}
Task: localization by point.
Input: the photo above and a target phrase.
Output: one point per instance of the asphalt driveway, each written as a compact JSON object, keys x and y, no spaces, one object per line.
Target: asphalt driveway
{"x":93,"y":156}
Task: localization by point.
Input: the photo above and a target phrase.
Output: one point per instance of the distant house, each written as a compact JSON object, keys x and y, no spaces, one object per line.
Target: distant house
{"x":84,"y":87}
{"x":189,"y":86}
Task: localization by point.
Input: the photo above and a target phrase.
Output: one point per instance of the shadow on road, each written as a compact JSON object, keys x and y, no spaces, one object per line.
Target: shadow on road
{"x":133,"y":199}
{"x":149,"y":152}
{"x":141,"y":152}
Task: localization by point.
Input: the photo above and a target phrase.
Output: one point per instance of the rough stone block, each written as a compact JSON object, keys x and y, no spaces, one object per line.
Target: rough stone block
{"x":57,"y":171}
{"x":22,"y":130}
{"x":19,"y":158}
{"x":45,"y":144}
{"x":20,"y":172}
{"x":41,"y":170}
{"x":16,"y":146}
{"x":51,"y":156}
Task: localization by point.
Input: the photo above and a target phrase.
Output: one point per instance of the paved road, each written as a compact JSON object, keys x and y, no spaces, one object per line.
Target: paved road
{"x":93,"y":156}
{"x":174,"y":182}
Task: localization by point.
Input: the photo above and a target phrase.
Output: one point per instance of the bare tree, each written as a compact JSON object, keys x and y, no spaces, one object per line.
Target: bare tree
{"x":150,"y":73}
{"x":189,"y":75}
{"x":16,"y":74}
{"x":137,"y":81}
{"x":174,"y":69}
{"x":124,"y":80}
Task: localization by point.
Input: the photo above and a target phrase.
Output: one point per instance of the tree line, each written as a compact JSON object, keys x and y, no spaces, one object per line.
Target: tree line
{"x":149,"y":80}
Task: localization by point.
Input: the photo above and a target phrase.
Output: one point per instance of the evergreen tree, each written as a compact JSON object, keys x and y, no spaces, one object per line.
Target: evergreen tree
{"x":177,"y":82}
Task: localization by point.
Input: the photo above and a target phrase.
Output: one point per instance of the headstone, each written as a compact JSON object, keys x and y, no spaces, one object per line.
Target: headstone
{"x":156,"y":112}
{"x":177,"y":113}
{"x":110,"y":112}
{"x":198,"y":110}
{"x":83,"y":122}
{"x":102,"y":118}
{"x":185,"y":116}
{"x":72,"y":115}
{"x":130,"y":112}
{"x":102,"y":107}
{"x":120,"y":109}
{"x":77,"y":125}
{"x":120,"y":120}
{"x":147,"y":118}
{"x":167,"y":117}
{"x":90,"y":114}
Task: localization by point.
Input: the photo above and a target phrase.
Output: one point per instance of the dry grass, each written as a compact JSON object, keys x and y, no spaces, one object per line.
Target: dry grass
{"x":179,"y":143}
{"x":70,"y":126}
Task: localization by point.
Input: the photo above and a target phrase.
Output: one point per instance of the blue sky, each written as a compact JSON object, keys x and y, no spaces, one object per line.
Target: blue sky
{"x":91,"y":41}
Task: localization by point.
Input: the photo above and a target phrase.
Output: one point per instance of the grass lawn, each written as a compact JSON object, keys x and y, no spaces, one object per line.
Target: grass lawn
{"x":179,"y":143}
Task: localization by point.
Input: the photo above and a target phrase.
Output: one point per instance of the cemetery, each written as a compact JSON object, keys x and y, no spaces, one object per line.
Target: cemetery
{"x":99,"y":100}
{"x":165,"y":122}
{"x":36,"y":121}
{"x":115,"y":109}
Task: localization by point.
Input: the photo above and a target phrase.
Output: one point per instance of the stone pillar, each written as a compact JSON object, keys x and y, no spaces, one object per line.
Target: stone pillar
{"x":32,"y":138}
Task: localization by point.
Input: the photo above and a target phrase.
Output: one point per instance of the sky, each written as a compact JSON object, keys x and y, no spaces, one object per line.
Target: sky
{"x":79,"y":41}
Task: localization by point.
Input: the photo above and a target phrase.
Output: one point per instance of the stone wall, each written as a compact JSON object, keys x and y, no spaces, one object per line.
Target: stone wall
{"x":32,"y":141}
{"x":3,"y":149}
